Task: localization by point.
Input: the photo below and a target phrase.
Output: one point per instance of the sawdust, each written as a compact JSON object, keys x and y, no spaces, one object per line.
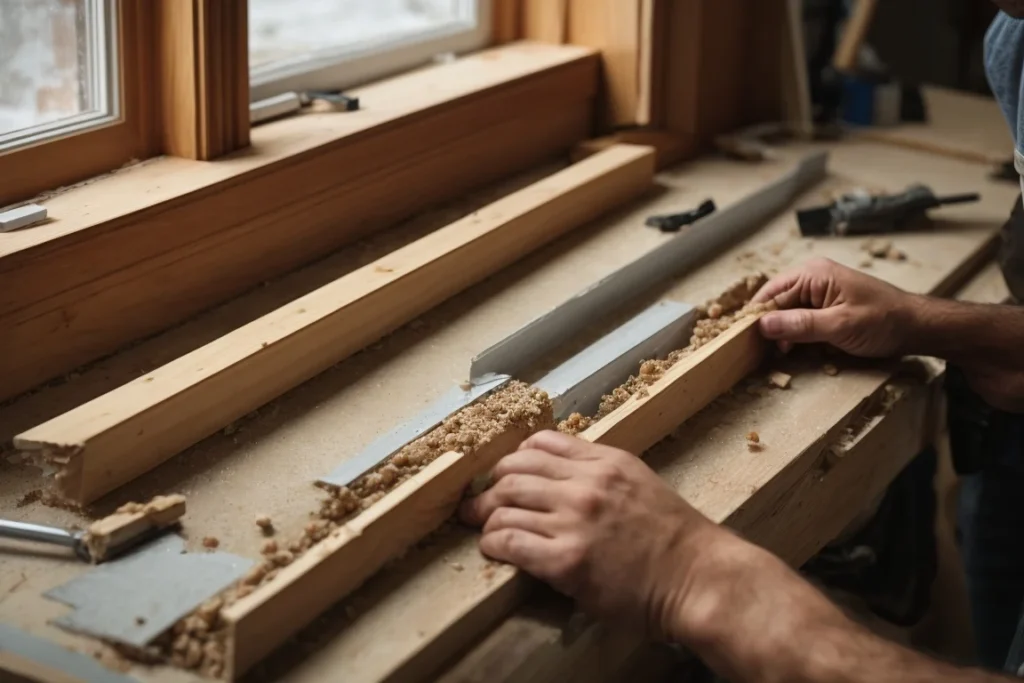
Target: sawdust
{"x":33,"y":496}
{"x":714,"y":318}
{"x":199,"y":641}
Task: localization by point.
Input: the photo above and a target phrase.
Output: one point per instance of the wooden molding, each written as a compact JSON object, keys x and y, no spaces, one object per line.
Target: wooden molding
{"x":116,"y":437}
{"x":613,"y":27}
{"x":204,"y":77}
{"x":507,"y":21}
{"x":106,"y":270}
{"x":28,"y":171}
{"x":354,"y":552}
{"x":545,"y":21}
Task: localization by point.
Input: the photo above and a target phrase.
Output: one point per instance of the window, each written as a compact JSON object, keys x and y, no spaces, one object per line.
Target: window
{"x":57,"y":73}
{"x":332,"y":44}
{"x":74,"y":101}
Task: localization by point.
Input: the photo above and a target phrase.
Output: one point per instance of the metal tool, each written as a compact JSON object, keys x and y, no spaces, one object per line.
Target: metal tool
{"x":675,"y":221}
{"x":24,"y":531}
{"x":860,"y":213}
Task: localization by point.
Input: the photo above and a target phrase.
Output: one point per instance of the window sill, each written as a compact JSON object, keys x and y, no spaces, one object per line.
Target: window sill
{"x":141,"y":249}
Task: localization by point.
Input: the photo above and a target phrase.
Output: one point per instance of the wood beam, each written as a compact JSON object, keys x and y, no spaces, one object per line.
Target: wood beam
{"x":263,"y":620}
{"x":204,"y":77}
{"x":106,"y":271}
{"x":111,"y":440}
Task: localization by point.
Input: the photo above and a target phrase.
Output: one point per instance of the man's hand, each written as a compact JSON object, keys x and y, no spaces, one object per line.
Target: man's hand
{"x":598,"y":525}
{"x":823,"y":301}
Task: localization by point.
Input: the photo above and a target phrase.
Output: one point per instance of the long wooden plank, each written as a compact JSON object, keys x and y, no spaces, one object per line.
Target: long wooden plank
{"x":116,"y":437}
{"x":106,"y":271}
{"x":352,"y":553}
{"x":854,"y":33}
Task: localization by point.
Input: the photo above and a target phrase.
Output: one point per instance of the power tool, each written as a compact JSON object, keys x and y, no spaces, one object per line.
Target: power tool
{"x":860,"y":213}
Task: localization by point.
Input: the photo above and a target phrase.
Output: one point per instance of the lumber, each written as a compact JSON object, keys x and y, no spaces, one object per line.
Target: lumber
{"x":118,"y":436}
{"x":669,"y":147}
{"x":353,"y":553}
{"x":107,"y":270}
{"x":130,"y":522}
{"x":613,"y":27}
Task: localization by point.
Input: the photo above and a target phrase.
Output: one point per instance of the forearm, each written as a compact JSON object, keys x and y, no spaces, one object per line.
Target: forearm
{"x":754,"y":620}
{"x":986,"y":341}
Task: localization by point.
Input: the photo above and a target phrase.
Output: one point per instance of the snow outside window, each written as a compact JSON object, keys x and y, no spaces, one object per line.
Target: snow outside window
{"x":297,"y":45}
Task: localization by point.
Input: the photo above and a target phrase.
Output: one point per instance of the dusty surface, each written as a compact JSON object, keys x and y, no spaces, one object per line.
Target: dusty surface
{"x":267,"y":464}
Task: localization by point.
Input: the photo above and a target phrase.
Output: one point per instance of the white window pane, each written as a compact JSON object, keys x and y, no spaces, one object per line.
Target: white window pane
{"x":289,"y":31}
{"x":54,"y":67}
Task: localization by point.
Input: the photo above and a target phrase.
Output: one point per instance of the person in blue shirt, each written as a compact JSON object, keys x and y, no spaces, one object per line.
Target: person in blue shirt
{"x":601,"y":527}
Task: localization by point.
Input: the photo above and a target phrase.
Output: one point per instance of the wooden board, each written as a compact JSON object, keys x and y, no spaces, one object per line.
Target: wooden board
{"x":854,"y":32}
{"x":108,"y":269}
{"x":115,"y":438}
{"x":613,"y":27}
{"x":960,"y":125}
{"x":339,"y":564}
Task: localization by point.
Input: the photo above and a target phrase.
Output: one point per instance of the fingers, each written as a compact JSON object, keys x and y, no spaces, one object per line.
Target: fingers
{"x":560,"y":444}
{"x":803,"y":326}
{"x":776,"y":287}
{"x":536,"y":462}
{"x":533,"y":553}
{"x":540,"y":523}
{"x":515,"y":490}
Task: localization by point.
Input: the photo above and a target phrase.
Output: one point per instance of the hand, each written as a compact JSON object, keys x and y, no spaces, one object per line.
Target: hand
{"x":823,"y":301}
{"x":598,"y":525}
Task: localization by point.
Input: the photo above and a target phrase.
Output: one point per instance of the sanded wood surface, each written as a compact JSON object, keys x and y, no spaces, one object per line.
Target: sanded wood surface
{"x":333,"y":568}
{"x":960,"y":125}
{"x":115,"y":438}
{"x":107,"y":269}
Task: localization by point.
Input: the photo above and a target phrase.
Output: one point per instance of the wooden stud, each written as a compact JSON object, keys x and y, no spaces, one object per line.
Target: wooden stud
{"x":204,"y":77}
{"x":111,"y":440}
{"x":354,"y":552}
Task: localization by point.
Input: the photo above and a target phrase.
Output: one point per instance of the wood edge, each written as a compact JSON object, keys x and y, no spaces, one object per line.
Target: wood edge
{"x":617,"y":159}
{"x":676,"y":373}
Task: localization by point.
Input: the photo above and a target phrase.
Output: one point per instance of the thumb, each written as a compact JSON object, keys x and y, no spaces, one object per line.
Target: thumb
{"x":800,"y":325}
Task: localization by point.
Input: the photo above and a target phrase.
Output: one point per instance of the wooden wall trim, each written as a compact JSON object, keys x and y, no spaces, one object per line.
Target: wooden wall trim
{"x":204,"y":77}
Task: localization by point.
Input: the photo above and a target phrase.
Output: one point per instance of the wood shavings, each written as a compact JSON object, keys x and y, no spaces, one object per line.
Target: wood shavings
{"x":211,"y":542}
{"x":894,"y":254}
{"x":877,"y":247}
{"x":130,"y":521}
{"x":867,"y":263}
{"x":33,"y":496}
{"x":830,"y":369}
{"x":265,"y":524}
{"x":780,"y":379}
{"x":515,"y":406}
{"x":754,"y":441}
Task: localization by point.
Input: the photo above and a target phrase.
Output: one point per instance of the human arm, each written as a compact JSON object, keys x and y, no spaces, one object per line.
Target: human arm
{"x":823,"y":301}
{"x":600,"y":526}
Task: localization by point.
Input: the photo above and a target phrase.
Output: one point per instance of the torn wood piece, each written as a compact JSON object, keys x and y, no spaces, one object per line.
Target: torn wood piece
{"x":131,"y":524}
{"x":339,"y":564}
{"x":111,"y":440}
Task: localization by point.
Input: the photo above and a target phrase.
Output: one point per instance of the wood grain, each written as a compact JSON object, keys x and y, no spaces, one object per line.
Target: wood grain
{"x":613,"y":27}
{"x":106,"y":271}
{"x":204,"y":77}
{"x":352,"y":553}
{"x":116,"y":437}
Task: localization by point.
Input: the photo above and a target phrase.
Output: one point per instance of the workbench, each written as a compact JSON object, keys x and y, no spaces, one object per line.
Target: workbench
{"x":829,"y":451}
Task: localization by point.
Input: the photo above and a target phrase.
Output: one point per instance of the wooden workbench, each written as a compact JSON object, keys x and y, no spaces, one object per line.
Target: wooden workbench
{"x":266,"y":463}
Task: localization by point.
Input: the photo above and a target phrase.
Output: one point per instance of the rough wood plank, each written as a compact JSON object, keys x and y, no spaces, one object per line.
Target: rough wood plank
{"x":352,"y":553}
{"x":613,"y":27}
{"x":106,"y":270}
{"x":114,"y":438}
{"x":131,"y":521}
{"x":856,"y":29}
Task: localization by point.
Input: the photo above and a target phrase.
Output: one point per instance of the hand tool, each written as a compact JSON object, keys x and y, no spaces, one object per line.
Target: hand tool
{"x":860,"y":213}
{"x":675,"y":221}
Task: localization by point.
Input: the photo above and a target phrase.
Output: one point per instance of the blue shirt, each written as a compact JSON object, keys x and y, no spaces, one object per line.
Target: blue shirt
{"x":1004,"y":66}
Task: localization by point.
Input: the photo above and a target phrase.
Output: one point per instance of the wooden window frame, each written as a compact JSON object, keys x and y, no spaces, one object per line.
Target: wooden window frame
{"x":54,"y":162}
